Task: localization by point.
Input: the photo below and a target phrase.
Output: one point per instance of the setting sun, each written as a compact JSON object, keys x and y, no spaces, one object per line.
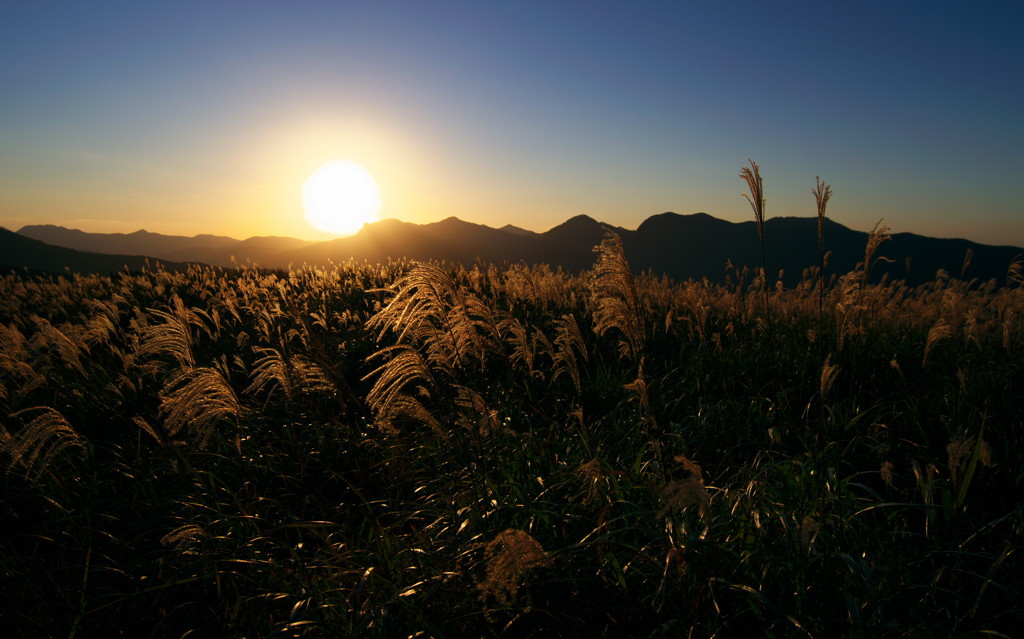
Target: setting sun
{"x":340,"y":197}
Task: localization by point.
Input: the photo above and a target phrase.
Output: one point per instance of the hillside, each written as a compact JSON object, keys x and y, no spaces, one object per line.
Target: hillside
{"x":19,"y":252}
{"x":217,"y":250}
{"x":693,"y":246}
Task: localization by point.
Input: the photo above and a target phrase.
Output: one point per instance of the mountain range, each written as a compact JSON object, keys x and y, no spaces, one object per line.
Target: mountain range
{"x":680,"y":246}
{"x":21,"y":253}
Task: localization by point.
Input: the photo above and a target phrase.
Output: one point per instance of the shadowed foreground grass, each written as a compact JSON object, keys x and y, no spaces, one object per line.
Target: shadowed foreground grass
{"x":421,"y":450}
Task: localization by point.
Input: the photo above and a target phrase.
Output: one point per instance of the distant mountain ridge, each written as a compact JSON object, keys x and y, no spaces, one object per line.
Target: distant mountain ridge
{"x":210,"y":249}
{"x":18,"y":252}
{"x":681,"y":246}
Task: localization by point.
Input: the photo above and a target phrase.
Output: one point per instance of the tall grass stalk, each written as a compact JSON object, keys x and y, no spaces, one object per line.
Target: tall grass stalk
{"x":752,"y":176}
{"x":822,"y":193}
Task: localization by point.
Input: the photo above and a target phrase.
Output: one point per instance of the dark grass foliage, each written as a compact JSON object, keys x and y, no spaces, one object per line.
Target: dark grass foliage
{"x":425,"y":450}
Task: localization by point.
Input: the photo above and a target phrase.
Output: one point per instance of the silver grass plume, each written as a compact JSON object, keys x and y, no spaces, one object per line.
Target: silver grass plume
{"x":39,"y":441}
{"x":16,"y":363}
{"x":524,"y":351}
{"x":822,"y":194}
{"x":509,"y":558}
{"x":440,"y":328}
{"x":197,"y":400}
{"x":568,"y":344}
{"x":618,"y":305}
{"x":476,"y":415}
{"x":879,"y":234}
{"x":294,"y":375}
{"x":49,"y":339}
{"x":940,"y":331}
{"x":173,"y":337}
{"x":402,"y":380}
{"x":430,"y":310}
{"x":752,"y":176}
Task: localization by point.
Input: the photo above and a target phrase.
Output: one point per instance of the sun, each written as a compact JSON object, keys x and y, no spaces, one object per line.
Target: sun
{"x":340,"y":197}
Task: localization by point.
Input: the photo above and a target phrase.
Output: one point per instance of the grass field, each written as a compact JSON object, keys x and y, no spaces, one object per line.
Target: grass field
{"x":428,"y":450}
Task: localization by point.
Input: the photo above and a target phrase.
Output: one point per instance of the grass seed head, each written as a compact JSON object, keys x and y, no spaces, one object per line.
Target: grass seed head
{"x":689,"y":491}
{"x":752,"y":176}
{"x":887,"y":474}
{"x":940,"y":331}
{"x":509,"y":557}
{"x":809,"y":529}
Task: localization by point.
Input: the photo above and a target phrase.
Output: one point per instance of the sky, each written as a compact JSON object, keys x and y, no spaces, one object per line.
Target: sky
{"x":207,"y":117}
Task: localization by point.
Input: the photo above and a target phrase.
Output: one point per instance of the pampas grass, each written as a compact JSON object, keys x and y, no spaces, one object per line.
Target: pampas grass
{"x":570,"y":348}
{"x":617,"y":303}
{"x":429,"y":309}
{"x":822,"y":194}
{"x":44,"y":435}
{"x":196,"y":400}
{"x":433,"y":450}
{"x":291,"y":375}
{"x":172,"y":337}
{"x":402,"y":382}
{"x":878,"y":235}
{"x":509,"y":559}
{"x":936,"y":334}
{"x":752,"y":176}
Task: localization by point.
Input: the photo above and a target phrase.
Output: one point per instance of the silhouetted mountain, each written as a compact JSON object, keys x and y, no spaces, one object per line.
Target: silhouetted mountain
{"x":259,"y":250}
{"x":137,"y":243}
{"x":450,"y":239}
{"x":515,"y":230}
{"x":211,"y":249}
{"x":699,"y":245}
{"x":571,"y":243}
{"x":680,"y":246}
{"x":18,"y":252}
{"x":696,"y":246}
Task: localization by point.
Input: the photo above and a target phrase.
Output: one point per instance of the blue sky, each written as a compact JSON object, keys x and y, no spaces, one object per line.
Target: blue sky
{"x":191,"y":117}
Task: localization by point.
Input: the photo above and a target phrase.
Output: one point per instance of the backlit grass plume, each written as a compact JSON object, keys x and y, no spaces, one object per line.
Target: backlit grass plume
{"x":509,"y":558}
{"x":403,"y":381}
{"x":45,"y":435}
{"x":878,"y":235}
{"x":292,"y":375}
{"x":429,"y":310}
{"x":197,"y":400}
{"x":618,"y":305}
{"x":61,"y":349}
{"x":568,"y":344}
{"x":16,"y":365}
{"x":172,"y":337}
{"x":822,"y":194}
{"x":936,"y":334}
{"x":752,"y":176}
{"x":440,"y":328}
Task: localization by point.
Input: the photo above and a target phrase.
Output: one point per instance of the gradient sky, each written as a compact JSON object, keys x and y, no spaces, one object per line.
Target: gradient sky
{"x":206,"y":117}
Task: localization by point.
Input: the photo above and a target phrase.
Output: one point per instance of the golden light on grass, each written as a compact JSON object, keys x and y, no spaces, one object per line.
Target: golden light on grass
{"x":505,"y":476}
{"x":510,"y":557}
{"x":340,"y":197}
